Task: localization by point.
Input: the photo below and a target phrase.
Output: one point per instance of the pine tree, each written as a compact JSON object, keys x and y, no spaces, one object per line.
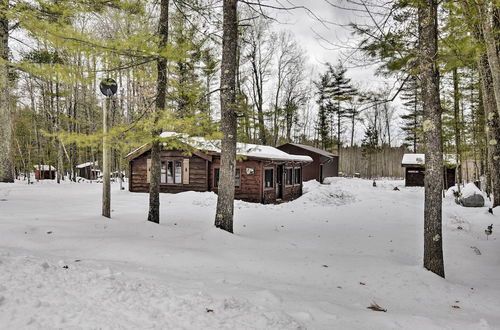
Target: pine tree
{"x":341,"y":92}
{"x":324,"y":125}
{"x":412,"y":120}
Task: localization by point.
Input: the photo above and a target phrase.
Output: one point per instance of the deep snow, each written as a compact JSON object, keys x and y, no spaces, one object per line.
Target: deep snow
{"x":317,"y":262}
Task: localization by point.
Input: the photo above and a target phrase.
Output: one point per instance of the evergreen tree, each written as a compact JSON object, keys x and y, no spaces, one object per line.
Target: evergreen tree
{"x":324,"y":125}
{"x":412,"y":120}
{"x":341,"y":92}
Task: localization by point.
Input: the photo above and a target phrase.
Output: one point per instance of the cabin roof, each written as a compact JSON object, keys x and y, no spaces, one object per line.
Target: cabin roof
{"x":312,"y":149}
{"x":44,"y":167}
{"x":86,"y":164}
{"x":242,"y":149}
{"x":419,"y":159}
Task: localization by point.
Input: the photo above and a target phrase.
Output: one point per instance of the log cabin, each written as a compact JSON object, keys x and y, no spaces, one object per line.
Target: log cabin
{"x":263,"y":174}
{"x":45,"y":172}
{"x":88,"y":170}
{"x":325,"y":164}
{"x":414,"y":165}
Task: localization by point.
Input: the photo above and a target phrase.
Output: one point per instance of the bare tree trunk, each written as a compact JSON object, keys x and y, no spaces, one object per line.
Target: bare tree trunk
{"x":225,"y":199}
{"x":429,"y":77}
{"x":6,"y":170}
{"x":161,"y":90}
{"x":456,"y":113}
{"x":492,"y":121}
{"x":489,"y":25}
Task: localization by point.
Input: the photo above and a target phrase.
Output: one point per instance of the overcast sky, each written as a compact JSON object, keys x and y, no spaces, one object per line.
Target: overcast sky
{"x":331,"y":41}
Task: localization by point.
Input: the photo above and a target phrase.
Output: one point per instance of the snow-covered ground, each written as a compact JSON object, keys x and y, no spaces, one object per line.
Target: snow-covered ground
{"x":317,"y":262}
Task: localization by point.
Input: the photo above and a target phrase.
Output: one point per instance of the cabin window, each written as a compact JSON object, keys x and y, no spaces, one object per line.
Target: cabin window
{"x":171,"y":172}
{"x":237,"y":177}
{"x":298,"y":175}
{"x":178,"y":171}
{"x":216,"y":177}
{"x":163,"y":175}
{"x":269,"y":178}
{"x":288,"y":176}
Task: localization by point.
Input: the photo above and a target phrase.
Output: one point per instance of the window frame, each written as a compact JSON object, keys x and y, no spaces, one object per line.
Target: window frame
{"x":164,"y":165}
{"x":273,"y":184}
{"x":299,"y":176}
{"x":216,"y":182}
{"x":286,"y":176}
{"x":239,"y":178}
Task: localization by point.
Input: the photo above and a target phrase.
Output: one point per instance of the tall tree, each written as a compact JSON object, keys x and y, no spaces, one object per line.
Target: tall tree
{"x":341,"y":91}
{"x":225,"y":200}
{"x":412,"y":120}
{"x":6,"y":170}
{"x":161,"y":90}
{"x":492,"y":129}
{"x":324,"y":125}
{"x":429,"y":78}
{"x":260,"y":51}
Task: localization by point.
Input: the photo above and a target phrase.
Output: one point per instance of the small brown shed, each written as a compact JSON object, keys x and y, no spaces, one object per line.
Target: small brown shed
{"x":88,"y":170}
{"x":45,"y":172}
{"x":325,"y":164}
{"x":414,"y":165}
{"x":264,"y":174}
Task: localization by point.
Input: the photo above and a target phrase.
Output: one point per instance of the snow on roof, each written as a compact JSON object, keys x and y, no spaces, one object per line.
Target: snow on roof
{"x":86,"y":164}
{"x":44,"y":167}
{"x":242,"y":149}
{"x":419,"y":159}
{"x":413,"y":159}
{"x":313,"y":149}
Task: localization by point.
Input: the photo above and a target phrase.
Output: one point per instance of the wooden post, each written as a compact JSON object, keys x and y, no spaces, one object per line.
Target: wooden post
{"x":106,"y":153}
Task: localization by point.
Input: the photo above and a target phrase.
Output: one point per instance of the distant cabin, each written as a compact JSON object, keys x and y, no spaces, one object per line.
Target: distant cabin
{"x":88,"y":170}
{"x":263,"y":174}
{"x":325,"y":164}
{"x":45,"y":172}
{"x":414,"y":165}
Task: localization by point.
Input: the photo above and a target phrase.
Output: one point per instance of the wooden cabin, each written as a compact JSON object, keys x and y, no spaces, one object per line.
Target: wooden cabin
{"x":263,"y":174}
{"x":45,"y":172}
{"x":324,"y":164}
{"x":88,"y":170}
{"x":414,"y":165}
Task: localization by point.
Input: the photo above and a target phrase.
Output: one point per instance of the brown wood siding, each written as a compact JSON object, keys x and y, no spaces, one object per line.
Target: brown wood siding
{"x":312,"y":171}
{"x":414,"y":177}
{"x":201,"y":177}
{"x":250,"y":184}
{"x":45,"y":175}
{"x":198,"y":176}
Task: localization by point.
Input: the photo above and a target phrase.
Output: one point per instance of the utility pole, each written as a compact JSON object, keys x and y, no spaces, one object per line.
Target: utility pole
{"x":108,"y":87}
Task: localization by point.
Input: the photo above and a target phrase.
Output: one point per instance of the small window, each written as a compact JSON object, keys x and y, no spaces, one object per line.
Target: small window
{"x":237,"y":177}
{"x":298,"y":175}
{"x":163,"y":175}
{"x":268,"y":178}
{"x":171,"y":172}
{"x":178,"y":171}
{"x":288,"y":176}
{"x":216,"y":177}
